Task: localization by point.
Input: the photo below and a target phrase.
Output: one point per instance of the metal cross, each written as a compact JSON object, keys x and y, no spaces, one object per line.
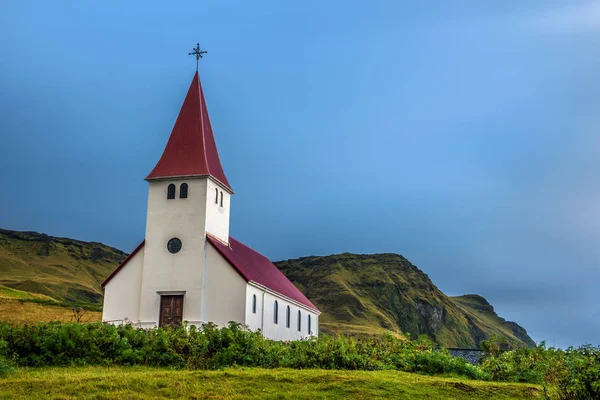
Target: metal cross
{"x":198,"y":53}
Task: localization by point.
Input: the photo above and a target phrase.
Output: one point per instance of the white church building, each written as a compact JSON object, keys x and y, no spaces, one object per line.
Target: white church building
{"x":188,"y":268}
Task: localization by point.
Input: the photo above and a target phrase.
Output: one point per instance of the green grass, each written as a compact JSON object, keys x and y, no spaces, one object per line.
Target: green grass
{"x":247,"y":383}
{"x":9,"y":293}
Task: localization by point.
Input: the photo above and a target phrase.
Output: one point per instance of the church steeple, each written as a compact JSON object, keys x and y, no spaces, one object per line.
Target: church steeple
{"x":191,"y":150}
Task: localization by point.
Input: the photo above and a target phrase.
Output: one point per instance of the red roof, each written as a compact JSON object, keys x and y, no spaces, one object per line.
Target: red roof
{"x":253,"y":266}
{"x":129,"y":257}
{"x":191,"y":149}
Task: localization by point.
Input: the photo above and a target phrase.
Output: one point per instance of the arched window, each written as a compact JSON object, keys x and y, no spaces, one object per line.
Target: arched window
{"x":254,"y":304}
{"x":216,"y":196}
{"x":299,"y":321}
{"x":287,"y":317}
{"x":171,"y":191}
{"x":309,"y":331}
{"x":221,"y":199}
{"x":275,"y":312}
{"x":183,"y":189}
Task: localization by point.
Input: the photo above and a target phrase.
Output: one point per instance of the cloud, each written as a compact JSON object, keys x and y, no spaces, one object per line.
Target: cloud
{"x":583,"y":17}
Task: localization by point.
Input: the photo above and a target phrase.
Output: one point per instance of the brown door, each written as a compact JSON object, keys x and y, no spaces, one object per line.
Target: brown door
{"x":171,"y":310}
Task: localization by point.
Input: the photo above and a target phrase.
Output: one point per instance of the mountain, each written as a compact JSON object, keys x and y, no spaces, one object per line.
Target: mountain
{"x":379,"y":292}
{"x":358,"y":294}
{"x":60,"y":268}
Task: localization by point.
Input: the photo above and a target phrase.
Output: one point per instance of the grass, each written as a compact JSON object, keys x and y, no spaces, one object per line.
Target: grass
{"x":23,"y":311}
{"x":9,"y":293}
{"x":247,"y":383}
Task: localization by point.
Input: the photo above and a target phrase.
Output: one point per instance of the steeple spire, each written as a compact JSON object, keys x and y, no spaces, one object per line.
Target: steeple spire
{"x":191,"y":150}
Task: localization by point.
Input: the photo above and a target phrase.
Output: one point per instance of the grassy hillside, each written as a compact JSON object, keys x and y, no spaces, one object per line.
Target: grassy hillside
{"x":248,"y":383}
{"x":378,"y":292}
{"x":62,"y":269}
{"x":480,"y":313}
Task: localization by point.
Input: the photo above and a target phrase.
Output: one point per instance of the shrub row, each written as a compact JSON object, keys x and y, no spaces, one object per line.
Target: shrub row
{"x":573,"y":373}
{"x":209,"y":347}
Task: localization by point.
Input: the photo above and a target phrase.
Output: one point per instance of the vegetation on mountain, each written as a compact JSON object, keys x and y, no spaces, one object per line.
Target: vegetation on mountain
{"x":380,"y":292}
{"x":482,"y":316}
{"x":62,"y":269}
{"x":358,"y":294}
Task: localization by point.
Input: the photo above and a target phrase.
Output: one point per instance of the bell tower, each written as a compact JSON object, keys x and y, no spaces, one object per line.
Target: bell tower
{"x":188,"y":197}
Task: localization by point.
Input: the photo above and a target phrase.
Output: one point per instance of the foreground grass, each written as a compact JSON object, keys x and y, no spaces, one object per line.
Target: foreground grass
{"x":20,"y":312}
{"x":247,"y":383}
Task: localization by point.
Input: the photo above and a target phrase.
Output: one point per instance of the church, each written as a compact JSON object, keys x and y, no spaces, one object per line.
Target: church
{"x":188,"y":268}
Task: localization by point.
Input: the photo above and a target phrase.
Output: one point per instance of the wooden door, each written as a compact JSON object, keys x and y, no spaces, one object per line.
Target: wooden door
{"x":171,"y":310}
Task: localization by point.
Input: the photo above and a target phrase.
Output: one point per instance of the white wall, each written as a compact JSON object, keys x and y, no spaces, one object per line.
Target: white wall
{"x":264,"y":317}
{"x":217,"y":216}
{"x":163,"y":271}
{"x":122,"y":292}
{"x":225,"y":293}
{"x":254,"y":321}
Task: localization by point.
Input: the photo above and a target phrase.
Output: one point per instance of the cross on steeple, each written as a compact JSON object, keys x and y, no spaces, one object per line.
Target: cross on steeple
{"x":198,"y":53}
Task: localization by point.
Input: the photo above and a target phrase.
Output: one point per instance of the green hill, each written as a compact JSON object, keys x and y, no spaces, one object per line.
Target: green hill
{"x":358,"y":294}
{"x":63,"y":269}
{"x":380,"y":292}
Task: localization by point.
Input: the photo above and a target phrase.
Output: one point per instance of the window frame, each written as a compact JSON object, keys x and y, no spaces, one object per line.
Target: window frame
{"x":171,"y":191}
{"x":183,"y":191}
{"x":288,"y":314}
{"x":299,"y":321}
{"x":276,"y":313}
{"x":253,"y":304}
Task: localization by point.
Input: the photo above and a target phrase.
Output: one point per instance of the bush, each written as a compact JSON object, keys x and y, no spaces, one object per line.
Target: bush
{"x":209,"y":347}
{"x":574,"y":373}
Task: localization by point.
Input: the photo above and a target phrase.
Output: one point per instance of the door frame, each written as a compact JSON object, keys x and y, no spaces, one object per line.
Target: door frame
{"x":162,"y":293}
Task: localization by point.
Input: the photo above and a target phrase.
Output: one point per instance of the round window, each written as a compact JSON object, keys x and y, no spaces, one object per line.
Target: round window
{"x":174,"y":245}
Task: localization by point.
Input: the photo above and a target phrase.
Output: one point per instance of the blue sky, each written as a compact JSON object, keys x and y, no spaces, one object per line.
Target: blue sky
{"x":463,"y":135}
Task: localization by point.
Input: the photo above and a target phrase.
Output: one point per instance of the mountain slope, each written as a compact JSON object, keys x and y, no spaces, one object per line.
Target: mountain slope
{"x":63,"y":269}
{"x":378,"y":292}
{"x":482,"y":315}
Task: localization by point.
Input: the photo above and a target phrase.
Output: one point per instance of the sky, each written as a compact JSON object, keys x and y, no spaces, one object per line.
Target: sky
{"x":463,"y":135}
